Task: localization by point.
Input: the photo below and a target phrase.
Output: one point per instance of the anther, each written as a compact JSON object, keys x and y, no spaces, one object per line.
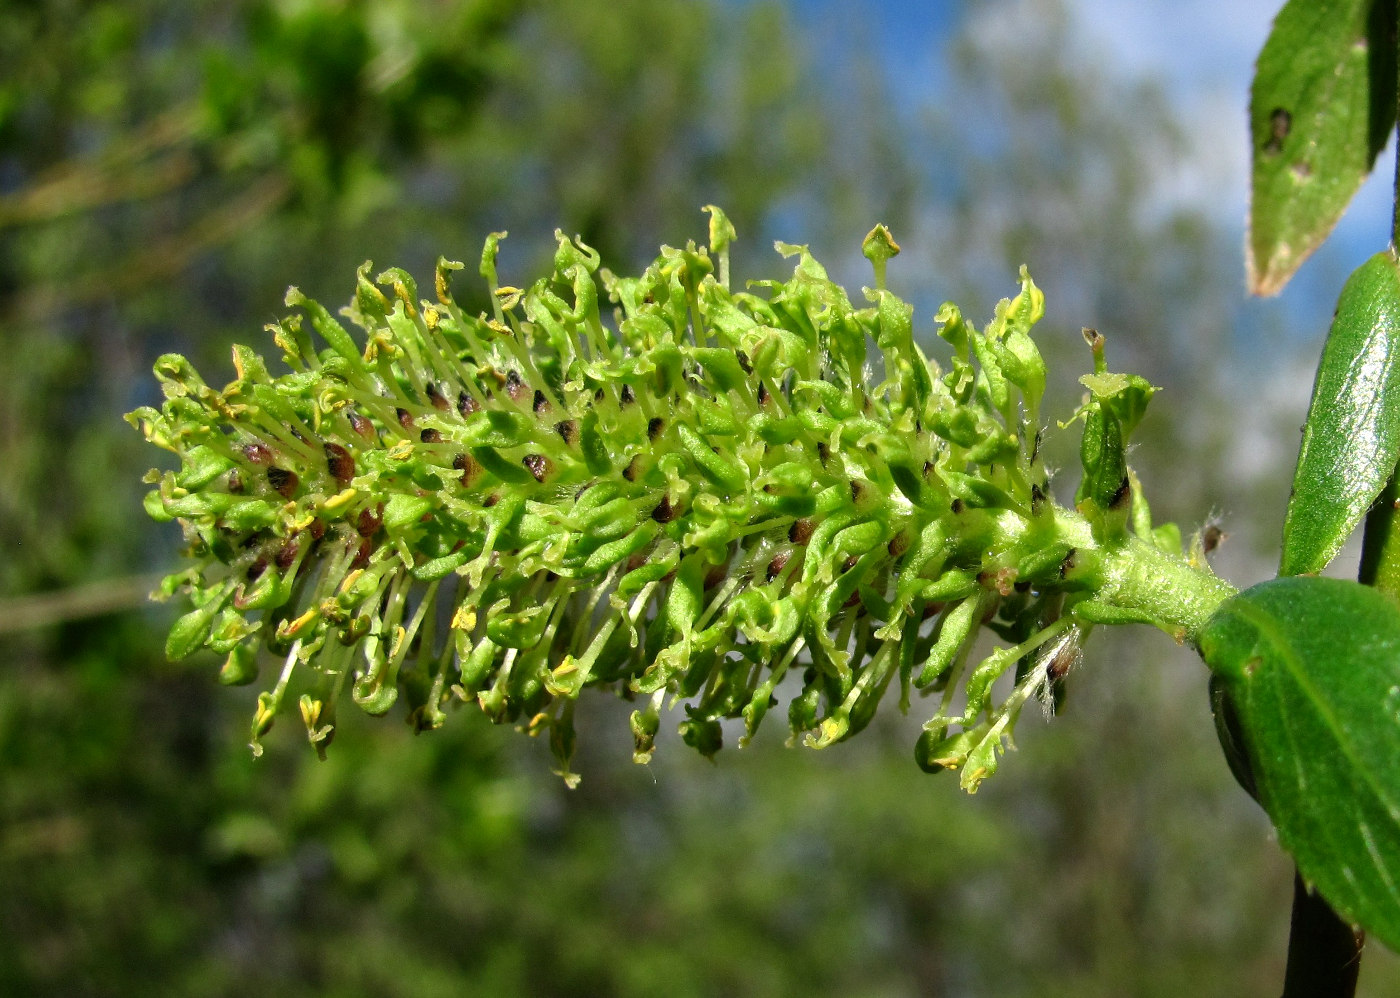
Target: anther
{"x":664,"y":511}
{"x":468,"y":467}
{"x":360,"y":425}
{"x":283,"y":482}
{"x":514,"y":386}
{"x":339,"y":463}
{"x":436,"y":399}
{"x":367,"y":523}
{"x":538,"y":465}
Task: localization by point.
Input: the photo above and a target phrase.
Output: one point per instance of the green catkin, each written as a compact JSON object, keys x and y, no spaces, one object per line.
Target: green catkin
{"x":657,"y":484}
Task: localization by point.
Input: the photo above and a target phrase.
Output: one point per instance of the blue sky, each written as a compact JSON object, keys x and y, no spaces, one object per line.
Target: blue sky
{"x":1201,"y":51}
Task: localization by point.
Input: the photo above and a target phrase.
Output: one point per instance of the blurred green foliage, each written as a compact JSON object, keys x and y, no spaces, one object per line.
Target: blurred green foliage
{"x":167,"y":169}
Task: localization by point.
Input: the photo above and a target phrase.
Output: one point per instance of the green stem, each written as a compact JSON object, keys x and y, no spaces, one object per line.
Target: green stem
{"x":1324,"y":953}
{"x":1380,"y":550}
{"x":1134,"y":581}
{"x":35,"y":610}
{"x":1169,"y":591}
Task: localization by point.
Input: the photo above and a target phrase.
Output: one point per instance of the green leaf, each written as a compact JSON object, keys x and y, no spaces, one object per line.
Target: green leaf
{"x":1321,"y":108}
{"x":1351,"y":440}
{"x":1311,"y":667}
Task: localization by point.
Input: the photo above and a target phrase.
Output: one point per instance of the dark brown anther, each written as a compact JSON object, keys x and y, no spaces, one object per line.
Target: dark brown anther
{"x":633,"y":467}
{"x":849,"y":563}
{"x":515,"y":388}
{"x":1035,"y":446}
{"x":598,"y":395}
{"x":822,"y":453}
{"x":716,"y":574}
{"x":743,"y":359}
{"x":664,"y":511}
{"x":1062,"y":661}
{"x":257,"y":568}
{"x":778,"y":563}
{"x":957,"y":506}
{"x":369,"y":520}
{"x":541,"y":403}
{"x":1121,"y":497}
{"x":857,"y":490}
{"x":568,"y":431}
{"x":287,"y":553}
{"x":235,"y":482}
{"x":538,"y":465}
{"x":257,"y":453}
{"x":491,"y":500}
{"x":466,"y":405}
{"x":851,"y":601}
{"x":1037,"y":498}
{"x":898,"y":544}
{"x":468,"y":467}
{"x":405,"y":418}
{"x":762,"y":393}
{"x":801,"y":530}
{"x":928,"y":466}
{"x":1212,"y":537}
{"x":1068,"y":562}
{"x":283,"y":482}
{"x":430,"y":436}
{"x":436,"y":398}
{"x":317,"y":530}
{"x":654,"y":427}
{"x":363,"y":427}
{"x":339,"y":463}
{"x":627,"y":397}
{"x":931,"y":610}
{"x":362,"y":555}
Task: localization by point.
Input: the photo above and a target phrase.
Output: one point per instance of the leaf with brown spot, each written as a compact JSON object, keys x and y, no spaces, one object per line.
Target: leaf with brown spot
{"x":1321,"y":109}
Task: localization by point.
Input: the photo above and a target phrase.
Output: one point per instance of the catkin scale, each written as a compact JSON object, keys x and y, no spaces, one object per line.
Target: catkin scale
{"x":681,"y":498}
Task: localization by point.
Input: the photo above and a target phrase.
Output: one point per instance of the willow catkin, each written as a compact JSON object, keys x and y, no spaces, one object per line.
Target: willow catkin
{"x":658,"y":484}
